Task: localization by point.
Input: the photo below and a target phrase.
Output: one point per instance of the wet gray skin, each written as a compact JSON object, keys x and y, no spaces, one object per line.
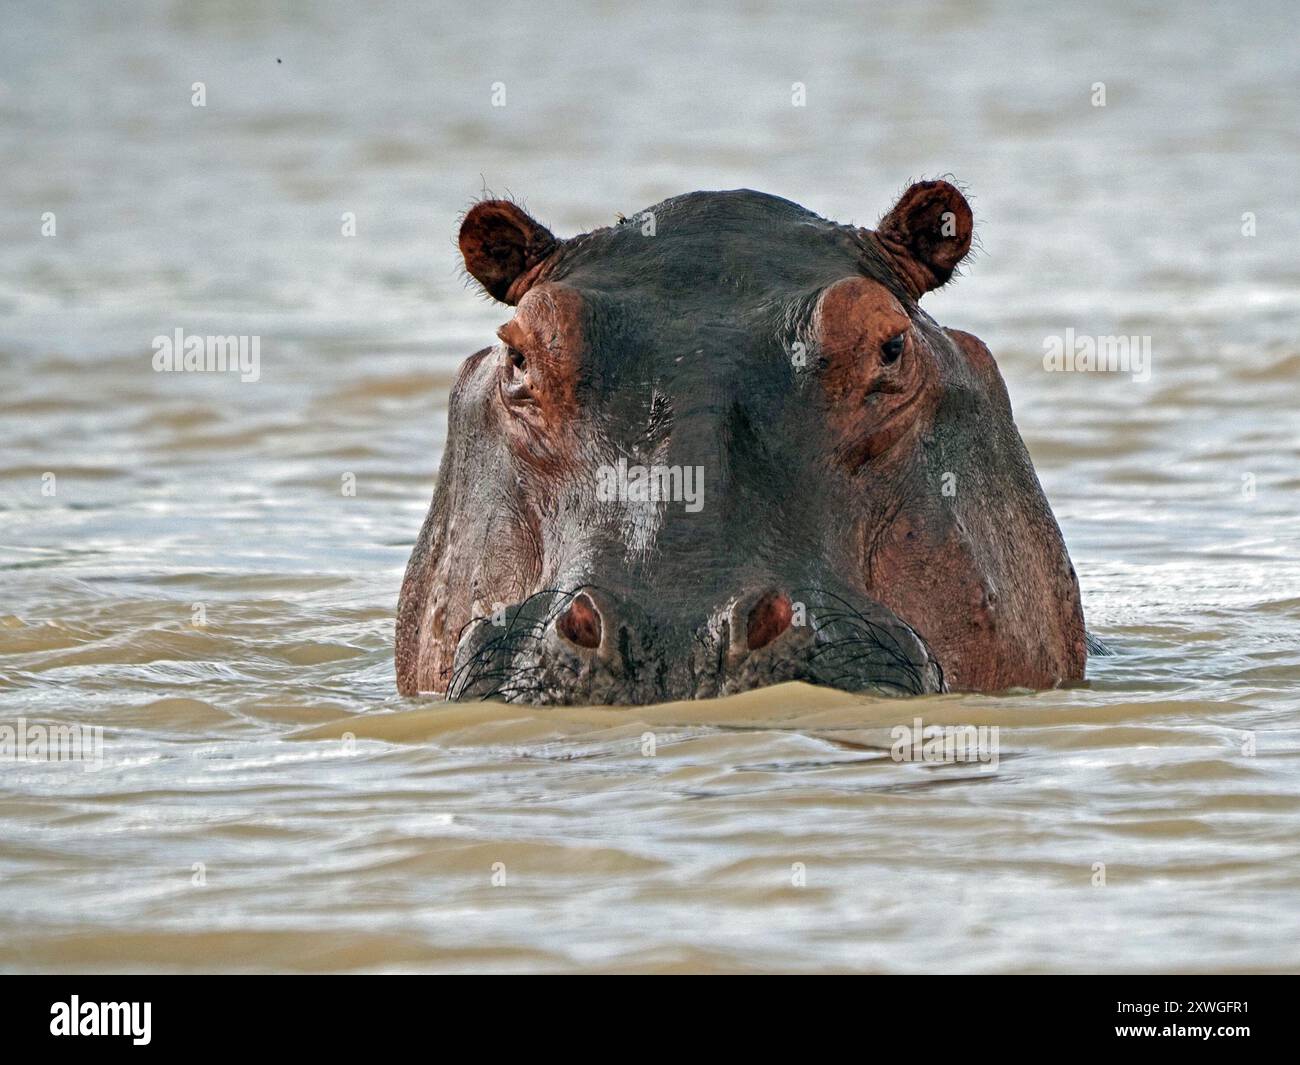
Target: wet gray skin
{"x":695,"y":347}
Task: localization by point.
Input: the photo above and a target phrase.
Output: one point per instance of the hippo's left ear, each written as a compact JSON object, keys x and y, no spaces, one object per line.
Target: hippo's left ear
{"x":927,"y":234}
{"x":502,"y":247}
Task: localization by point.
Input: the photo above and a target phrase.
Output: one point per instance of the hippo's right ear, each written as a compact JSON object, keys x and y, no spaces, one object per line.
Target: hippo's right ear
{"x":927,"y":233}
{"x":502,"y":247}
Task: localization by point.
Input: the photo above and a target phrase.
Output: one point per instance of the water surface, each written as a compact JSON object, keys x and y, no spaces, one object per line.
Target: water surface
{"x":267,"y":801}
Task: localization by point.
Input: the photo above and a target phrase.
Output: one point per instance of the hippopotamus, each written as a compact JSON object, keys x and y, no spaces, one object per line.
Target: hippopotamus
{"x":720,"y":445}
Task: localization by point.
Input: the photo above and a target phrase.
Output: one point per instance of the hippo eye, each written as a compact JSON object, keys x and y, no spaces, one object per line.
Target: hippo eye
{"x":892,"y":348}
{"x":516,"y":389}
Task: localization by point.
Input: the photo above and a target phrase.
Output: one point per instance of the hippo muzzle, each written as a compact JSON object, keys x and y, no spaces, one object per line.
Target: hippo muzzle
{"x":590,"y":645}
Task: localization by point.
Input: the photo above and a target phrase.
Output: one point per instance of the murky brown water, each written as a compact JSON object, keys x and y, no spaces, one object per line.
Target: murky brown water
{"x":266,"y":801}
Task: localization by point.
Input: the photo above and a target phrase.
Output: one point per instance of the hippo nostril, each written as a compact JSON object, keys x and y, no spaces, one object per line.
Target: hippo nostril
{"x":580,"y":622}
{"x":769,"y":618}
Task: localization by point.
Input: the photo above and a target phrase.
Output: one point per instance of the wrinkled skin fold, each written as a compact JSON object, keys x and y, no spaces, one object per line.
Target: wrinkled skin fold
{"x":720,"y":445}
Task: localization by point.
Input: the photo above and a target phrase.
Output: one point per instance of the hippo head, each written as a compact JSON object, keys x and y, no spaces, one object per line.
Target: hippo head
{"x":720,"y":445}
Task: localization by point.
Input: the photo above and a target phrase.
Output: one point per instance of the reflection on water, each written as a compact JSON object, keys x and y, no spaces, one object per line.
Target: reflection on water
{"x":267,"y":801}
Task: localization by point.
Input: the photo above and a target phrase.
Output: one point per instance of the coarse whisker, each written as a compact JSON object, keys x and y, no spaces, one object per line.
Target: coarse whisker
{"x":494,"y":663}
{"x":905,"y":668}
